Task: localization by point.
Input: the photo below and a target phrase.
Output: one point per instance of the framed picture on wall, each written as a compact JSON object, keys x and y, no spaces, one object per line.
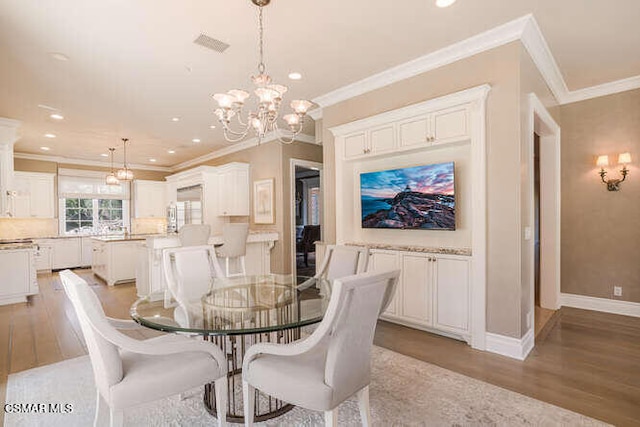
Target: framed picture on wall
{"x":263,"y":212}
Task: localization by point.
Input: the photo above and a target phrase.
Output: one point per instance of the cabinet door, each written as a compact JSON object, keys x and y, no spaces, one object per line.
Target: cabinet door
{"x":233,"y":194}
{"x":385,"y":261}
{"x":87,"y":251}
{"x":67,"y":253}
{"x":451,"y":305}
{"x":149,"y":199}
{"x":450,"y":124}
{"x":44,"y":257}
{"x":416,"y":288}
{"x":414,"y":131}
{"x":41,"y":197}
{"x":15,"y":272}
{"x":382,"y":139}
{"x":355,"y":145}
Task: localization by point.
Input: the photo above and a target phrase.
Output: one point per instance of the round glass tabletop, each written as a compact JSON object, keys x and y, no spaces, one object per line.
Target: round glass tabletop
{"x":239,"y":305}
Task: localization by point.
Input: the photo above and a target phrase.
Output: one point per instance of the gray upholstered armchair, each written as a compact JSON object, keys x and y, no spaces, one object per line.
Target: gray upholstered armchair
{"x":333,"y":363}
{"x":129,"y":372}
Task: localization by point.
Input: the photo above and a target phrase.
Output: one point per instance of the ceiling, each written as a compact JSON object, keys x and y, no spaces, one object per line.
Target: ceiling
{"x":132,"y":65}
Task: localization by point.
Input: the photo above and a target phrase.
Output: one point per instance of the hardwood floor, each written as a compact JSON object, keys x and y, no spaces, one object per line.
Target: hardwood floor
{"x":589,"y":362}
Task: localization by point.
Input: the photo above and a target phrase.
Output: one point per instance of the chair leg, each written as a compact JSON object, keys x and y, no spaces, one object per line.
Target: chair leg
{"x":116,"y":418}
{"x":248,"y":399}
{"x":228,"y":273}
{"x":363,"y":403}
{"x":102,"y":410}
{"x":331,"y":418}
{"x":221,"y":400}
{"x":244,"y":267}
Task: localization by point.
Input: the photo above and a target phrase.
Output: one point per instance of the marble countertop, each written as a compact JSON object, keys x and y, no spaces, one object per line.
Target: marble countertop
{"x":413,"y":248}
{"x":14,"y":246}
{"x":127,"y":238}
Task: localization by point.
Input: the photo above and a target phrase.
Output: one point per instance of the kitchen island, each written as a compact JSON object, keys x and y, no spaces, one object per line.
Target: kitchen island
{"x":114,"y":257}
{"x":17,"y":272}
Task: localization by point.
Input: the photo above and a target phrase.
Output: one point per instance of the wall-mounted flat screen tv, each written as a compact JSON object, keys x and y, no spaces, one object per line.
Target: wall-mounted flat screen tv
{"x":420,"y":197}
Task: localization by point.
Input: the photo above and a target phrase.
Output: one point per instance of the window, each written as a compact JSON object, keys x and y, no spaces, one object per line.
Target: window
{"x":86,"y":216}
{"x":87,"y":205}
{"x":314,"y":206}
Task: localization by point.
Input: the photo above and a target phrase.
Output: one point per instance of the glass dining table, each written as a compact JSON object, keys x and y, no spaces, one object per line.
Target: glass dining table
{"x":236,"y":313}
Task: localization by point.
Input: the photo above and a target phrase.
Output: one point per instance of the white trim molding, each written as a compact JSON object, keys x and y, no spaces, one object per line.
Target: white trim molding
{"x":625,"y":308}
{"x":516,"y":348}
{"x":71,"y":161}
{"x":525,"y":29}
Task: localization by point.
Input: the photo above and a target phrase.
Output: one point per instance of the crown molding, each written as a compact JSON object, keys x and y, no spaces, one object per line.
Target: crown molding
{"x":487,"y":40}
{"x":525,"y":29}
{"x":239,"y":146}
{"x":71,"y":161}
{"x":9,"y":123}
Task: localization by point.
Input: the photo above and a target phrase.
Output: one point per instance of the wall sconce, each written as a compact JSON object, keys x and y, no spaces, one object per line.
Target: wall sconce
{"x":614,"y":184}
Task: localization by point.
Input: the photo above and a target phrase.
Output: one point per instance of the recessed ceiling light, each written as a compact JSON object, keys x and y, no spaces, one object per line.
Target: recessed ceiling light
{"x":195,"y":140}
{"x":171,"y":151}
{"x":49,"y":135}
{"x":212,"y":127}
{"x":59,"y":56}
{"x":175,"y":119}
{"x":444,"y":3}
{"x":104,"y":155}
{"x":45,"y":148}
{"x":57,"y":116}
{"x":152,"y":160}
{"x":295,"y":76}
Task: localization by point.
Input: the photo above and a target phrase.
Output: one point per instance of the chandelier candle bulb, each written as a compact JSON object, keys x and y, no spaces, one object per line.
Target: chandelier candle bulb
{"x":301,"y":106}
{"x":239,"y":95}
{"x":292,"y":119}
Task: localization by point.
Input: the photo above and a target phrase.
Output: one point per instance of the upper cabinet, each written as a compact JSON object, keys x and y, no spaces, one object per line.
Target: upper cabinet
{"x":424,"y":130}
{"x":149,"y":199}
{"x":233,"y":194}
{"x":34,"y":196}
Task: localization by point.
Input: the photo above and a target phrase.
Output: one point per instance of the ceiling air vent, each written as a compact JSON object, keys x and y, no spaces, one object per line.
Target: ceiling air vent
{"x":211,"y":43}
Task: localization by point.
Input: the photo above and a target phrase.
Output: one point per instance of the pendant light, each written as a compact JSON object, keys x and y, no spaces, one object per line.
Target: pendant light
{"x":125,"y":174}
{"x":112,"y":179}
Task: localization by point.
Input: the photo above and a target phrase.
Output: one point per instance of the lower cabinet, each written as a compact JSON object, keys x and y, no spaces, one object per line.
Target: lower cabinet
{"x":18,"y":273}
{"x":433,"y":291}
{"x":67,"y":253}
{"x":115,"y":262}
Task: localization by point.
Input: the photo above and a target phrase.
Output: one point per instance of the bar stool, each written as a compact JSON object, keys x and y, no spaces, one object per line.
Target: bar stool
{"x":234,"y":237}
{"x":194,"y":234}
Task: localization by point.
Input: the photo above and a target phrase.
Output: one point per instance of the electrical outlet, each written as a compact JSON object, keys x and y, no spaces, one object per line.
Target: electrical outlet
{"x":617,"y":291}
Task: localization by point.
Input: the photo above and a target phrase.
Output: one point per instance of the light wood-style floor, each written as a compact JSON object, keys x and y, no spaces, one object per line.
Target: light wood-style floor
{"x":589,"y":362}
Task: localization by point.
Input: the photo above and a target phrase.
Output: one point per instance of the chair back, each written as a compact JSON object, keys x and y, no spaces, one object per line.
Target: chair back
{"x":189,"y":271}
{"x":349,"y":326}
{"x":343,"y":261}
{"x":310,"y":235}
{"x":194,"y":234}
{"x":234,"y":237}
{"x":105,"y":357}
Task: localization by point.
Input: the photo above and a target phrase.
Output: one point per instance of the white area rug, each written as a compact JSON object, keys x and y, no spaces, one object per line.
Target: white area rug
{"x":404,"y":391}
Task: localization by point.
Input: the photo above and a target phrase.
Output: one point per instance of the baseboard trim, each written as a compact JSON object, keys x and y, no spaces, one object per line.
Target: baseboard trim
{"x":516,"y":348}
{"x":625,"y":308}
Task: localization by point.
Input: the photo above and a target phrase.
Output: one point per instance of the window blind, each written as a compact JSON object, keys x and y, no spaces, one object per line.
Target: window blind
{"x":90,"y":187}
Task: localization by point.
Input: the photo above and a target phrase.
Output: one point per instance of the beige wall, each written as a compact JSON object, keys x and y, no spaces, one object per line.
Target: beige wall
{"x":600,"y":228}
{"x":271,"y":160}
{"x":500,"y":68}
{"x":531,"y":81}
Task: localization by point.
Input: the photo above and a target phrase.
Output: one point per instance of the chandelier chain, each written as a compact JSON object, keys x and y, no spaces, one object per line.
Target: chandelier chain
{"x":261,"y":66}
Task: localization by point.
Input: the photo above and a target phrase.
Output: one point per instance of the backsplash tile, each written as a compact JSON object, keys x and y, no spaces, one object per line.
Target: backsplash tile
{"x":19,"y":228}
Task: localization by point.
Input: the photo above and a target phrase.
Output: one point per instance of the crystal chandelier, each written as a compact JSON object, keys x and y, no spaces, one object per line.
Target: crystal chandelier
{"x":125,"y":174}
{"x":112,"y":179}
{"x":265,"y":118}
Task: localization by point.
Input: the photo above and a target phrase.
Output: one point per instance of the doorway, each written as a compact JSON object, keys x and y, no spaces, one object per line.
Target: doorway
{"x":545,"y":215}
{"x":306,"y":215}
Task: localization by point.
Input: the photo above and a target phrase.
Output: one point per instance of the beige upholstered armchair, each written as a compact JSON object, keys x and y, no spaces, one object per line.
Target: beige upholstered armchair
{"x":129,"y":372}
{"x":333,"y":363}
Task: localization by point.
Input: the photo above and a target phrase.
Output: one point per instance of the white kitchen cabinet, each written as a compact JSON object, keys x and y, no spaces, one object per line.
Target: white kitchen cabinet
{"x":378,"y":140}
{"x":451,"y":124}
{"x":149,"y":199}
{"x":86,"y":244}
{"x":34,"y":195}
{"x":451,"y":293}
{"x":415,"y":131}
{"x":233,"y":190}
{"x":67,"y":253}
{"x":18,"y":273}
{"x":433,"y":291}
{"x":385,"y":261}
{"x":115,"y":260}
{"x":44,"y":255}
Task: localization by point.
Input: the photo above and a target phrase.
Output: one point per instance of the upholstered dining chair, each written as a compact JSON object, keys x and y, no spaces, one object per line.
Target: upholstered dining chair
{"x":189,"y":272}
{"x":234,"y":238}
{"x":194,"y":234}
{"x":333,"y":363}
{"x":340,"y":261}
{"x":129,"y":372}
